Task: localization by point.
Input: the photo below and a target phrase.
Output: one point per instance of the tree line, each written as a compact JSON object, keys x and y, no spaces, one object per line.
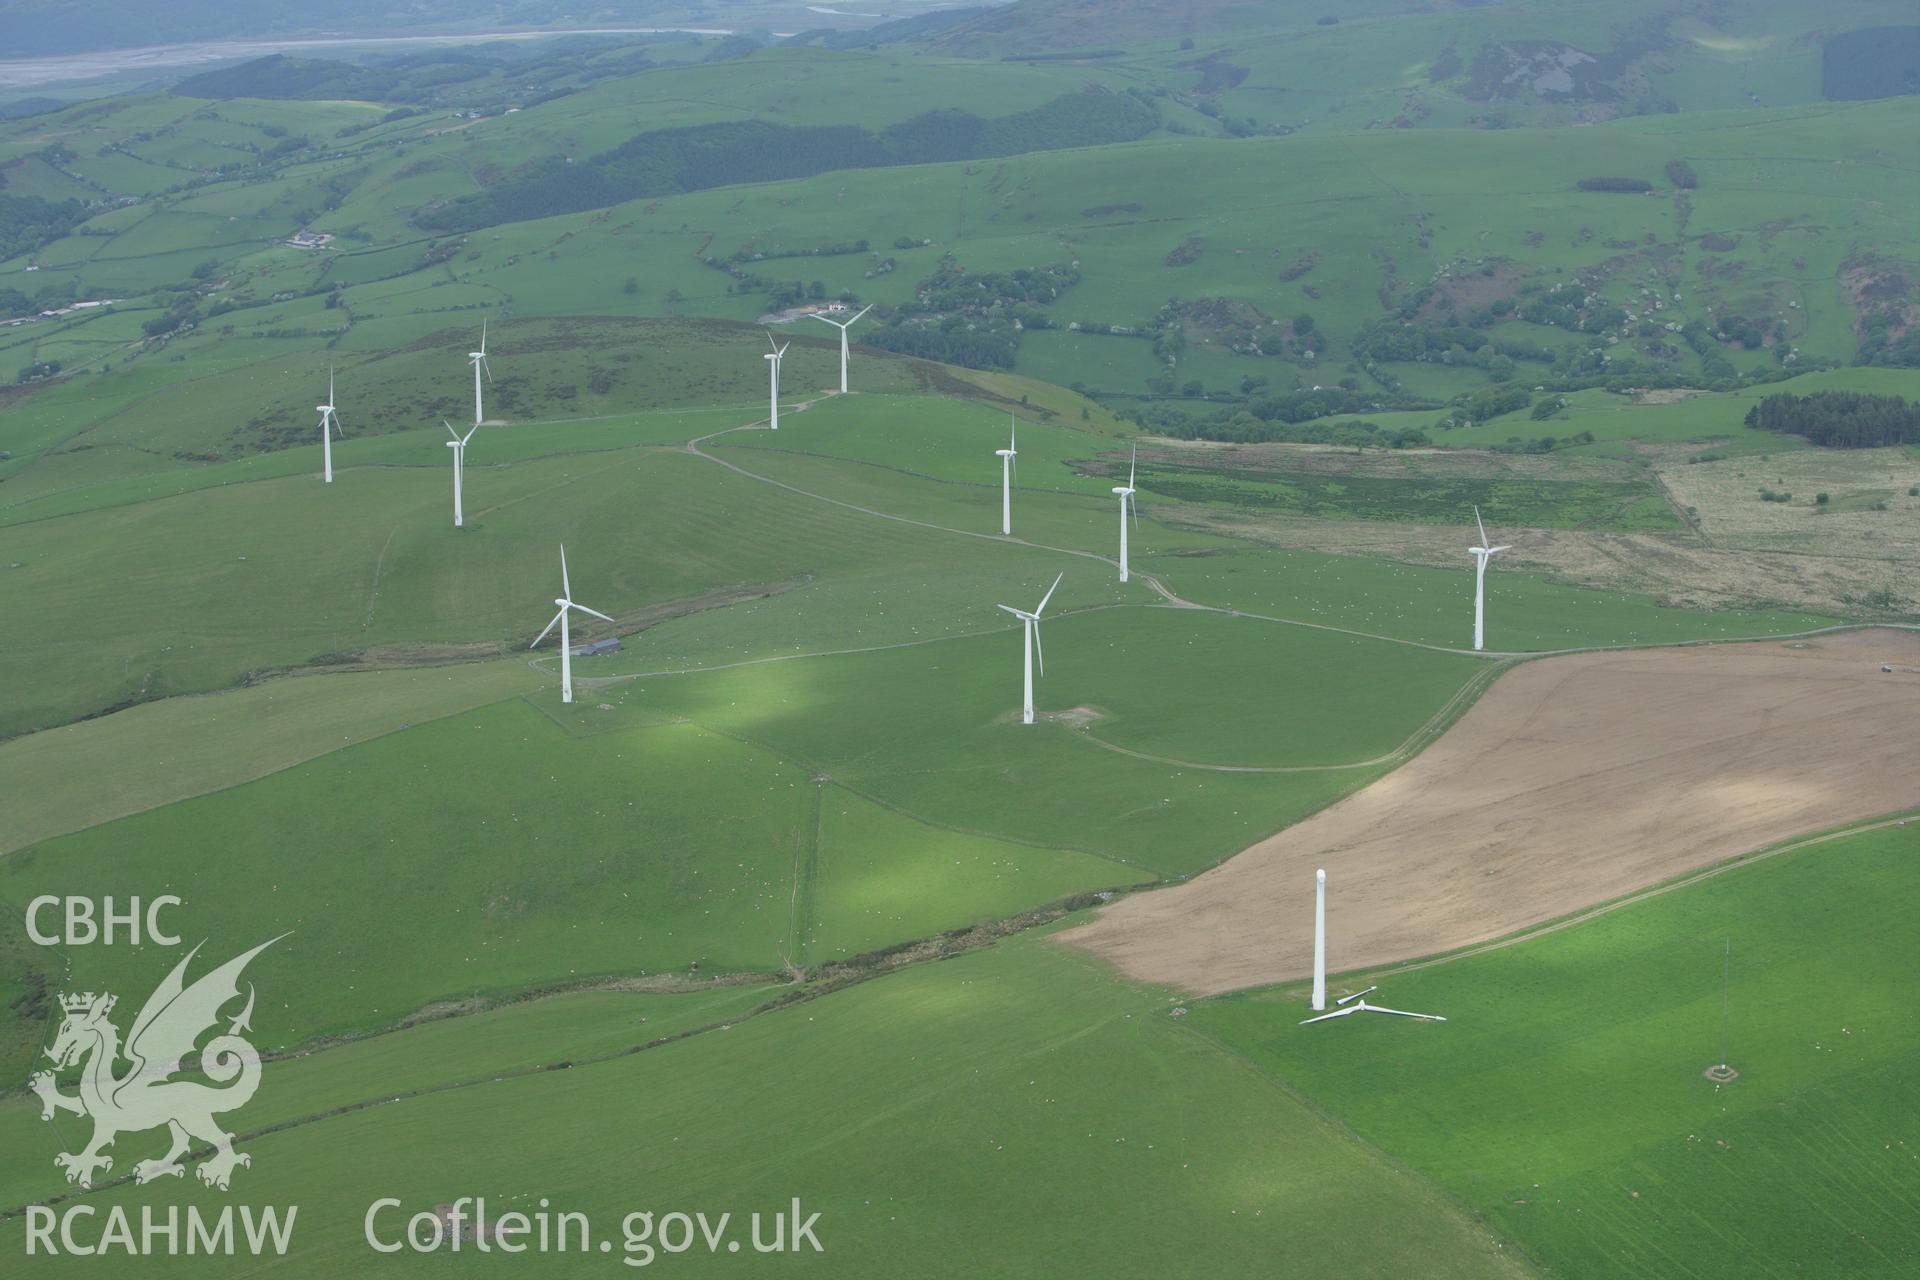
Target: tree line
{"x":27,"y":222}
{"x":1839,"y":419}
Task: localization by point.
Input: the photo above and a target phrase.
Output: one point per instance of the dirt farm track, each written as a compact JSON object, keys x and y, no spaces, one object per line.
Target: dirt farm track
{"x":1572,"y":781}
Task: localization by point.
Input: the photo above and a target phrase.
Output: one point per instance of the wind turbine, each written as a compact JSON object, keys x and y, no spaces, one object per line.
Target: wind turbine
{"x":1006,"y":456}
{"x":479,"y":359}
{"x":773,"y":369}
{"x":1355,"y":1003}
{"x":1481,"y":554}
{"x":1031,"y":629}
{"x":1127,"y":504}
{"x":843,"y":326}
{"x":329,"y":423}
{"x":565,"y":601}
{"x":459,"y":446}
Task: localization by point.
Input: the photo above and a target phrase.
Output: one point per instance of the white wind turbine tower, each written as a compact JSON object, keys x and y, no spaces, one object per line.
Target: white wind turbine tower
{"x":1030,"y":626}
{"x":843,"y":326}
{"x":329,"y":423}
{"x":1127,"y":506}
{"x":773,"y":370}
{"x":1006,"y":456}
{"x":459,"y":446}
{"x":565,"y":601}
{"x":479,"y":359}
{"x":1319,"y":940}
{"x":1481,"y":554}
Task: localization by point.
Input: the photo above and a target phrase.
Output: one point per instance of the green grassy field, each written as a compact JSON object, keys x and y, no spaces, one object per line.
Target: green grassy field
{"x":1526,"y":612}
{"x":197,"y":421}
{"x":933,"y":728}
{"x":1565,"y":1101}
{"x":1711,"y":420}
{"x":160,"y":752}
{"x":490,"y":852}
{"x":910,"y":1112}
{"x":1629,"y":502}
{"x":452,"y":1050}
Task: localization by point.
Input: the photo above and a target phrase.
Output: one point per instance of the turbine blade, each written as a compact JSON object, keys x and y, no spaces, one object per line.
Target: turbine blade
{"x":1483,"y":528}
{"x":1332,"y":1013}
{"x":566,"y":588}
{"x":1133,"y":505}
{"x":781,"y":352}
{"x":550,"y":626}
{"x":815,"y":315}
{"x":469,"y":435}
{"x":1039,"y":653}
{"x":1050,"y":590}
{"x":1492,"y":550}
{"x":595,"y":612}
{"x":1018,"y":613}
{"x":860,"y":313}
{"x":1133,"y":465}
{"x":449,"y":427}
{"x":329,"y":384}
{"x":488,"y":366}
{"x":1356,"y":995}
{"x":1398,"y":1013}
{"x":483,"y":335}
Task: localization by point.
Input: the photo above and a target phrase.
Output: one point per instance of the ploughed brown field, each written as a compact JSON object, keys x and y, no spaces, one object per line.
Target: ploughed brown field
{"x":1574,"y":780}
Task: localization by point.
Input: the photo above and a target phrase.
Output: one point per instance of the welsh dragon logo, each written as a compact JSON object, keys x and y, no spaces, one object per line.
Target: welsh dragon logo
{"x":143,"y":1096}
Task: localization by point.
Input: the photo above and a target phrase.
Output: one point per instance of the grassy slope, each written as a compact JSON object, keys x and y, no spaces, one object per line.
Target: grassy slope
{"x":491,"y":851}
{"x":1526,"y":612}
{"x":1800,"y":189}
{"x":447,"y":1051}
{"x":934,"y":728}
{"x":1343,"y":198}
{"x":286,"y":570}
{"x":160,"y":752}
{"x":1565,"y":1099}
{"x":1011,"y":1111}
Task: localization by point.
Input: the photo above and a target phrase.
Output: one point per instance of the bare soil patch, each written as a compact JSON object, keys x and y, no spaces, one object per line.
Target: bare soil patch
{"x":1573,"y":781}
